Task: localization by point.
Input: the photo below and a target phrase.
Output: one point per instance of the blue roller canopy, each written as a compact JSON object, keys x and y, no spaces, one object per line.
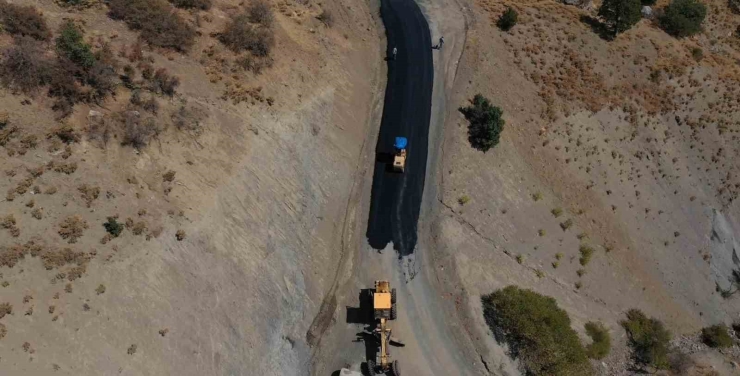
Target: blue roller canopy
{"x":401,"y":143}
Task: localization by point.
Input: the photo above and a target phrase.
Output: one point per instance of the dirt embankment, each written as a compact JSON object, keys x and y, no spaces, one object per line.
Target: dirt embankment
{"x":222,"y":266}
{"x":625,"y":146}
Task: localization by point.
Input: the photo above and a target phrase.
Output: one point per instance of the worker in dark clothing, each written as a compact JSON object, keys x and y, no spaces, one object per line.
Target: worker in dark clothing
{"x":395,"y":51}
{"x":439,"y":46}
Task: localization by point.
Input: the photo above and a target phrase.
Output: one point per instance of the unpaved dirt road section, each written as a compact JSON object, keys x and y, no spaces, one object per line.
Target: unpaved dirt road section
{"x":436,"y":341}
{"x":396,"y":198}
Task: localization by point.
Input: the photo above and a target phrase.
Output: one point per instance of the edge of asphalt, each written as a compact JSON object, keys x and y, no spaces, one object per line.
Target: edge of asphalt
{"x":348,"y":242}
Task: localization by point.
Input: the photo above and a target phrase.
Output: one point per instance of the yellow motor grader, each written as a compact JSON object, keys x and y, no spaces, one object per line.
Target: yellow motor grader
{"x":385,"y":309}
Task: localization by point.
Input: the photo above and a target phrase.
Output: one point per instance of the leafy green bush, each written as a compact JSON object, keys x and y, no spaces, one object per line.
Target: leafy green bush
{"x":155,"y":19}
{"x":601,"y":340}
{"x":683,"y":18}
{"x":508,"y":19}
{"x":648,"y":338}
{"x":486,"y":123}
{"x":24,"y":21}
{"x":538,"y":332}
{"x":113,"y":227}
{"x":71,"y":44}
{"x":620,"y":15}
{"x":716,"y":336}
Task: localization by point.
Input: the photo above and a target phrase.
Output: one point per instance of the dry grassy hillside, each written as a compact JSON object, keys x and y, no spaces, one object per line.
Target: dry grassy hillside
{"x":625,"y":150}
{"x":175,"y":180}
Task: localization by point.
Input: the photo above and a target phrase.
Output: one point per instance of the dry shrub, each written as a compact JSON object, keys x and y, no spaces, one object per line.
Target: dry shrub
{"x":187,"y":119}
{"x":24,"y":67}
{"x":138,"y":228}
{"x":5,"y":309}
{"x":3,"y":331}
{"x":29,"y":142}
{"x":259,"y":12}
{"x":136,"y":132}
{"x":169,"y":176}
{"x":88,"y":193}
{"x":254,"y":64}
{"x":8,"y":222}
{"x":7,"y":133}
{"x":192,"y":4}
{"x":51,"y":190}
{"x":240,"y":35}
{"x":37,"y":213}
{"x":155,"y":19}
{"x":67,"y":168}
{"x":65,"y":133}
{"x":101,"y":290}
{"x":64,"y":257}
{"x":98,"y":130}
{"x":24,"y":185}
{"x":326,"y":17}
{"x":164,"y":83}
{"x":180,"y":235}
{"x":72,"y":228}
{"x":24,"y":21}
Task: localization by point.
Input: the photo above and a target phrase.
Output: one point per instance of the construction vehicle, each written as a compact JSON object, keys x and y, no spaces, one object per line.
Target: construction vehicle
{"x":399,"y":158}
{"x":384,"y":308}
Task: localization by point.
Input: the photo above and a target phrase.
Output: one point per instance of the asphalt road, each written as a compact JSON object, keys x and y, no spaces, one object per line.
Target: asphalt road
{"x":396,"y":198}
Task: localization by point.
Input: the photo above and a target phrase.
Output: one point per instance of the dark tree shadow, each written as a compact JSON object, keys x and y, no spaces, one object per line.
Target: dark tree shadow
{"x":597,"y":27}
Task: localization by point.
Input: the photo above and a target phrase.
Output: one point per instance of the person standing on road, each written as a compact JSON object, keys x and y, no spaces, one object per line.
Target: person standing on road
{"x":439,"y":45}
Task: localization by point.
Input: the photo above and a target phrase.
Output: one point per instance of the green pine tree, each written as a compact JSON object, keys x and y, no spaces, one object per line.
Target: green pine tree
{"x":620,"y":15}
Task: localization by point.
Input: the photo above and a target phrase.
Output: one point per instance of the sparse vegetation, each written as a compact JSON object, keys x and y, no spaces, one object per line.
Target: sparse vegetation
{"x":697,"y":53}
{"x":541,"y":232}
{"x":100,"y":289}
{"x":716,"y":336}
{"x":155,"y":19}
{"x":3,"y":331}
{"x":5,"y":309}
{"x":537,"y":196}
{"x":24,"y":67}
{"x":131,"y":349}
{"x":240,"y":35}
{"x":600,"y":340}
{"x":557,"y":212}
{"x":486,"y":123}
{"x":464,"y":199}
{"x":520,"y":259}
{"x":508,"y":19}
{"x":326,"y":17}
{"x":192,"y":4}
{"x":565,"y":225}
{"x":586,"y":254}
{"x":137,"y":133}
{"x":683,"y":18}
{"x":72,"y":228}
{"x":648,"y":339}
{"x":538,"y":332}
{"x":22,"y":20}
{"x":259,"y":12}
{"x":734,"y":6}
{"x":164,"y":83}
{"x":169,"y":176}
{"x":180,"y":235}
{"x":620,"y":15}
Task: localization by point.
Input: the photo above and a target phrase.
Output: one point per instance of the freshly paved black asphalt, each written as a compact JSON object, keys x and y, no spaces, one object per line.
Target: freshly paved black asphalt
{"x":396,"y":198}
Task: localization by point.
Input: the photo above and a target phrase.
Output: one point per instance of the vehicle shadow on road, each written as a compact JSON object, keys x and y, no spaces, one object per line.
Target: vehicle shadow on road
{"x":364,"y":315}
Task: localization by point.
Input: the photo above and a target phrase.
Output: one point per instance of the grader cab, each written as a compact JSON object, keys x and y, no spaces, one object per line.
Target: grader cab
{"x":385,"y":309}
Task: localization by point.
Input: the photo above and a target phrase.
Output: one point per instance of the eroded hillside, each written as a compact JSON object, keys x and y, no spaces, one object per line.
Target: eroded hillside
{"x":623,"y":149}
{"x":176,"y":182}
